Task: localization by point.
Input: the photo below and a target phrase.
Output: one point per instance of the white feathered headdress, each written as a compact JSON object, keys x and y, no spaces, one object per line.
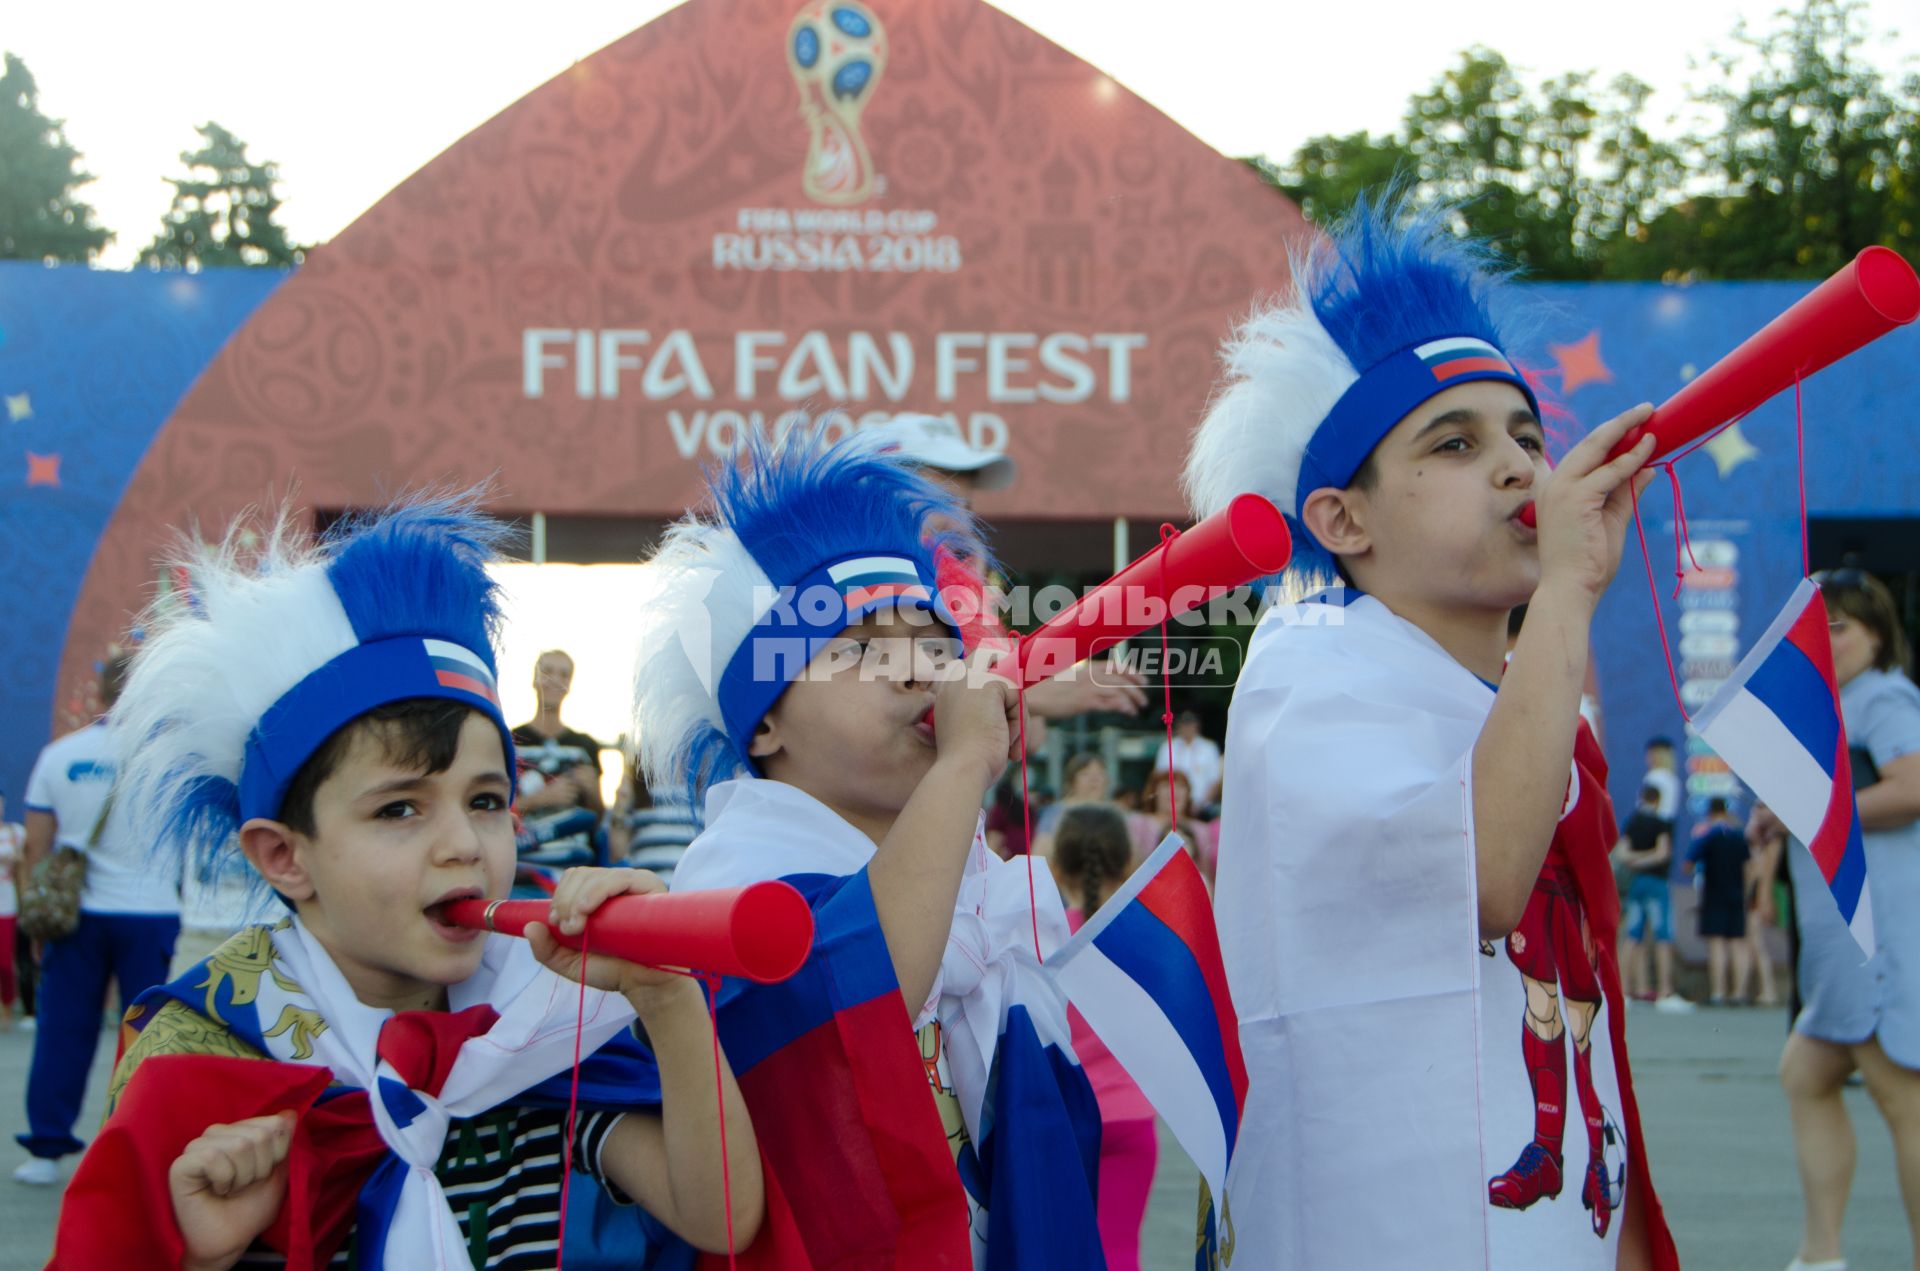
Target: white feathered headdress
{"x":1388,"y":310}
{"x":269,"y":644}
{"x":799,"y":541}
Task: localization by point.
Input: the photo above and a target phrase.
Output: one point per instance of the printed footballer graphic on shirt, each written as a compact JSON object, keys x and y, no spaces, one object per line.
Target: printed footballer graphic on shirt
{"x":933,"y":1059}
{"x":1554,"y":952}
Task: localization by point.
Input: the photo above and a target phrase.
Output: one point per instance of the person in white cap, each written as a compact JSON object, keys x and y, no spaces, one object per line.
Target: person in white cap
{"x":935,"y":446}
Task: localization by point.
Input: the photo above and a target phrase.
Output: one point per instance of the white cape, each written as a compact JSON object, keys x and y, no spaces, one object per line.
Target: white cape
{"x":1348,"y":919}
{"x":533,"y":1039}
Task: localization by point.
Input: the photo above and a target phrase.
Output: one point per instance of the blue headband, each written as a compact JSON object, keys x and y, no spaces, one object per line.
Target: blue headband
{"x":803,"y":618}
{"x":363,"y":678}
{"x":1386,"y":393}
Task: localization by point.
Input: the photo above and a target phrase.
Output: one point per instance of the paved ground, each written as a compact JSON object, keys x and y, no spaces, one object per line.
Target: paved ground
{"x":1717,"y":1130}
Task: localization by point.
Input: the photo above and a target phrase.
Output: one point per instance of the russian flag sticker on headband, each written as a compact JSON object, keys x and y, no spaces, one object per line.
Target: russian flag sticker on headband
{"x":456,"y":667}
{"x":1463,"y":355}
{"x":865,"y":581}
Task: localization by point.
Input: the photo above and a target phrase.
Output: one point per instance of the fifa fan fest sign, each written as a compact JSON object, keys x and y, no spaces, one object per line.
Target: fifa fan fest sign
{"x":882,"y":369}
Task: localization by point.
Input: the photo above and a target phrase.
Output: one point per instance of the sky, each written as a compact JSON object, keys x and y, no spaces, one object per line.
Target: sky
{"x":353,"y":96}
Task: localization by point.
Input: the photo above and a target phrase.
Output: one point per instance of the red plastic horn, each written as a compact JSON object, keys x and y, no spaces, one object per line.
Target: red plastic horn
{"x":1876,"y":292}
{"x":1243,"y":541}
{"x":762,"y":932}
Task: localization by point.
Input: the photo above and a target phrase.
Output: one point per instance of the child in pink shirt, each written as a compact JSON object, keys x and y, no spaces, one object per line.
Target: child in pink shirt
{"x":1092,"y":855}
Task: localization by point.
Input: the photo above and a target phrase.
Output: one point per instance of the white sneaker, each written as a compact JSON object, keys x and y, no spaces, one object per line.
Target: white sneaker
{"x":28,"y":1023}
{"x":1674,"y":1004}
{"x":1832,"y":1264}
{"x":37,"y":1172}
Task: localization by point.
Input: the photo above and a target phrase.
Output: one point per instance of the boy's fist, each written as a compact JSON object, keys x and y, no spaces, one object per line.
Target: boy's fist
{"x":227,"y":1186}
{"x":974,"y":712}
{"x":1584,"y":506}
{"x":581,"y":891}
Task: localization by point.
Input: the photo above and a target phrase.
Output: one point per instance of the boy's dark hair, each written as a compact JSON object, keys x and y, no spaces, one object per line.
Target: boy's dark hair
{"x":1659,"y":743}
{"x":417,"y":732}
{"x":1716,"y":806}
{"x":1091,"y":847}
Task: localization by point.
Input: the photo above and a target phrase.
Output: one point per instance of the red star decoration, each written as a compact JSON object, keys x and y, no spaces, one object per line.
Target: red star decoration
{"x":1580,"y":363}
{"x":43,"y":470}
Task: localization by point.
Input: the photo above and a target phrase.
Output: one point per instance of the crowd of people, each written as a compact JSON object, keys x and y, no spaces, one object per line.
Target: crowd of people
{"x":1429,"y":919}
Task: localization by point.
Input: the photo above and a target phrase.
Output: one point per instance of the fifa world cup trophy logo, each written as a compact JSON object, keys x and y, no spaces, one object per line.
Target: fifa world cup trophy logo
{"x":836,"y":50}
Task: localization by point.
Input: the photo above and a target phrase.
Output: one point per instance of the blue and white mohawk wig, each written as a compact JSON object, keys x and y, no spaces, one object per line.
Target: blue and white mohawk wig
{"x":271,"y":641}
{"x":1386,"y":311}
{"x":799,"y":541}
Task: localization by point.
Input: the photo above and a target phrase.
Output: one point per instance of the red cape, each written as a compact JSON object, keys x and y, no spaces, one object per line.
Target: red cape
{"x":1590,"y":855}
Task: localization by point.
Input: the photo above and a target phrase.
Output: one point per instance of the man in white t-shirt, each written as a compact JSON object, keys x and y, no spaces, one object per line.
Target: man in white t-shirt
{"x":1197,"y":757}
{"x":129,"y":916}
{"x":1661,"y":775}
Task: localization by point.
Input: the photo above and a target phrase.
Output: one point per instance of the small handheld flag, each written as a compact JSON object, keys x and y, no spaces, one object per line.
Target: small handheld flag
{"x":1777,"y":723}
{"x":1146,"y":973}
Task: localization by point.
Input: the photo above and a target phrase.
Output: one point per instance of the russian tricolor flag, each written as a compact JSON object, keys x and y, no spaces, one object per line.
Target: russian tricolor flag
{"x":1778,"y":725}
{"x":1145,"y":971}
{"x":859,"y":1171}
{"x":455,"y":667}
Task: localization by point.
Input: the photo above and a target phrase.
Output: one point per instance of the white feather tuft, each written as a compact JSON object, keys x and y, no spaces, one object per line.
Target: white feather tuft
{"x":701,"y":594}
{"x":257,"y":617}
{"x":1282,"y":373}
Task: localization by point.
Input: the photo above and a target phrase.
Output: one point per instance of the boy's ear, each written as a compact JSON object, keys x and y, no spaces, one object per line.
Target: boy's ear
{"x":1337,"y":520}
{"x":273,"y":848}
{"x":766,"y":738}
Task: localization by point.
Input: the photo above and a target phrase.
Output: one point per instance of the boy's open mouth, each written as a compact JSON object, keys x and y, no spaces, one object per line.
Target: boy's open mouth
{"x":437,"y":915}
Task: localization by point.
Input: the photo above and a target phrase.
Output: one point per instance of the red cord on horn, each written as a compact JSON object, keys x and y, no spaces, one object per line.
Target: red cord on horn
{"x":1167,"y":534}
{"x":573,"y":1101}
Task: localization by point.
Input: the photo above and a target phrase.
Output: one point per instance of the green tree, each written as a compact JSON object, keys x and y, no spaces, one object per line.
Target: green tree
{"x":1812,"y":157}
{"x":1808,"y":153}
{"x":1328,"y":173}
{"x":222,"y":213}
{"x":1551,"y":176}
{"x":40,"y":216}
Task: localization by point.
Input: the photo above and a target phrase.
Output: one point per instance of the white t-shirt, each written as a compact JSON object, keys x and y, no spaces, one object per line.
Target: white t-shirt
{"x":71,"y":780}
{"x":1667,"y":782}
{"x":13,"y":841}
{"x":1199,"y":760}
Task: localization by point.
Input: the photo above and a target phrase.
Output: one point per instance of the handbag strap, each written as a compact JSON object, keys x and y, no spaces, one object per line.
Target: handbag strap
{"x":100,"y":822}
